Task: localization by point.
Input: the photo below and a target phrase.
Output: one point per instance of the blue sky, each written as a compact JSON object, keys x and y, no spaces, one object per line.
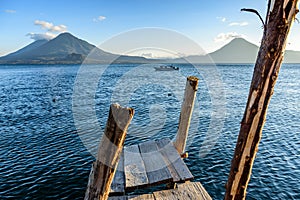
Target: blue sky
{"x":209,"y":23}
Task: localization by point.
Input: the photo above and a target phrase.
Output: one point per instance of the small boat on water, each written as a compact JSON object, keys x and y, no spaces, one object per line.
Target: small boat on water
{"x":166,"y":68}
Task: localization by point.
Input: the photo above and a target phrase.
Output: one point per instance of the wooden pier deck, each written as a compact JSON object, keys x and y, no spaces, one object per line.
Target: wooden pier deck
{"x":153,"y":163}
{"x":119,"y":170}
{"x":147,"y":164}
{"x":183,"y":191}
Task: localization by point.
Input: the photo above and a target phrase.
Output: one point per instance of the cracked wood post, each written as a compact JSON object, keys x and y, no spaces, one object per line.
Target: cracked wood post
{"x":186,"y":113}
{"x":109,"y":151}
{"x":280,"y":16}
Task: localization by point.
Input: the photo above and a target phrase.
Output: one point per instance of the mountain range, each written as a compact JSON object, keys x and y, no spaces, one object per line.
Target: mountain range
{"x":65,"y":49}
{"x":236,"y":51}
{"x":68,"y":49}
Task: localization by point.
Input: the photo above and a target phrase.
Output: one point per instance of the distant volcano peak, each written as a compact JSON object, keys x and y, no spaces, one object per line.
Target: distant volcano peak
{"x":66,"y":34}
{"x":68,"y":49}
{"x":63,"y":49}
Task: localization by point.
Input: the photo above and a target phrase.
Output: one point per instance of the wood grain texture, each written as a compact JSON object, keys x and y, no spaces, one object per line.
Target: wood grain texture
{"x":118,"y":184}
{"x":186,"y":113}
{"x":135,"y":171}
{"x":196,"y":188}
{"x":142,"y":197}
{"x":279,"y":19}
{"x":184,"y":191}
{"x":134,"y":197}
{"x":178,"y":169}
{"x":109,"y":151}
{"x":189,"y":190}
{"x":156,"y":167}
{"x":118,"y":198}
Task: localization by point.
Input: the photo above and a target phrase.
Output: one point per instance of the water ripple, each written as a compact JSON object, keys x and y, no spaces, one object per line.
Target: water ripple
{"x":42,"y":156}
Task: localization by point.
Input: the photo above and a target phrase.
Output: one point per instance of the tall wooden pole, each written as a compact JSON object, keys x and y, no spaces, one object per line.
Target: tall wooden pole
{"x":110,"y":148}
{"x":186,"y":113}
{"x":280,"y":16}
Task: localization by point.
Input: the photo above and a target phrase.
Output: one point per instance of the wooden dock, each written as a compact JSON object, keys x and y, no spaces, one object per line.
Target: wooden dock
{"x":147,"y":164}
{"x":119,"y":170}
{"x":183,"y":191}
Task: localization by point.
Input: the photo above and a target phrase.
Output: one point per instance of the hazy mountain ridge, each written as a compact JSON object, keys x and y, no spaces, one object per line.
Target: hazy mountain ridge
{"x":68,"y":49}
{"x":64,"y":49}
{"x":27,"y":48}
{"x":242,"y":51}
{"x":238,"y":50}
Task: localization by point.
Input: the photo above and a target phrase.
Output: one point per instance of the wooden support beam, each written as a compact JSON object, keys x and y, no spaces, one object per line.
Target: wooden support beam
{"x":109,"y":151}
{"x":280,"y":16}
{"x":186,"y":113}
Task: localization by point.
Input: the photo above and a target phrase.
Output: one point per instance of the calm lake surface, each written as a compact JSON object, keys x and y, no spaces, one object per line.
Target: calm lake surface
{"x":43,"y":156}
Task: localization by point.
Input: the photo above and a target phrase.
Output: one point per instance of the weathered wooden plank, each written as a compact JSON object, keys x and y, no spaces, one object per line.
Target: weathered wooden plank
{"x":156,"y":167}
{"x":134,"y":197}
{"x":118,"y":184}
{"x":135,"y":172}
{"x":176,"y":194}
{"x":118,"y":198}
{"x":194,"y":188}
{"x":189,"y":190}
{"x":174,"y":161}
{"x":142,"y":197}
{"x":166,"y":194}
{"x":202,"y":190}
{"x":161,"y":144}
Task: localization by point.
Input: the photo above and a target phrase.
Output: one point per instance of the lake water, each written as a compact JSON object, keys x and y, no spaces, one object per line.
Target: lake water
{"x":44,"y":156}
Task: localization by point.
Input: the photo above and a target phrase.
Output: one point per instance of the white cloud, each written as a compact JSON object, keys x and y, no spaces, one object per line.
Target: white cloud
{"x":238,"y":24}
{"x":41,"y":36}
{"x":10,"y":11}
{"x":99,"y":18}
{"x":50,"y":26}
{"x":147,"y":55}
{"x":222,"y":19}
{"x":51,"y":30}
{"x":226,"y":36}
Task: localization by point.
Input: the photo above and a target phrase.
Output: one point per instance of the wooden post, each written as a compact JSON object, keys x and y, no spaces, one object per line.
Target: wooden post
{"x":186,"y":113}
{"x":109,"y":151}
{"x":280,"y":15}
